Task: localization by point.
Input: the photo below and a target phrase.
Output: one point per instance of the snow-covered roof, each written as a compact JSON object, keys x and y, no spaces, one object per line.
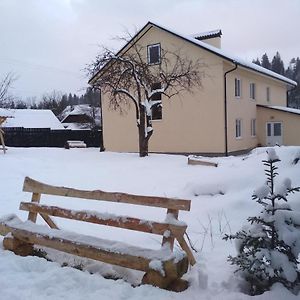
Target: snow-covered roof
{"x":82,"y":109}
{"x":32,"y":118}
{"x":207,"y":35}
{"x":232,"y":58}
{"x":5,"y":113}
{"x":283,"y":108}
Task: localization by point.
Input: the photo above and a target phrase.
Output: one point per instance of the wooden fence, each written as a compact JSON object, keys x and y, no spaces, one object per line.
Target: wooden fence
{"x":46,"y":137}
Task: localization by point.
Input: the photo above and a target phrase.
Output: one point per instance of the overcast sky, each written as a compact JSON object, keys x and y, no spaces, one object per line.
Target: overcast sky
{"x":47,"y":43}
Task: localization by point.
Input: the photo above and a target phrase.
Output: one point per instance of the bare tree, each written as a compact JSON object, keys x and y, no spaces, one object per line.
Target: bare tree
{"x":5,"y":86}
{"x":128,"y":78}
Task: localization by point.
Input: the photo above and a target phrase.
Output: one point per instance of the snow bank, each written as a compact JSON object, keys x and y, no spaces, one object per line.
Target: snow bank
{"x":209,"y":219}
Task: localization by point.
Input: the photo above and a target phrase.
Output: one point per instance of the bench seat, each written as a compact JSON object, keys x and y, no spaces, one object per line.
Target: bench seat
{"x":113,"y":252}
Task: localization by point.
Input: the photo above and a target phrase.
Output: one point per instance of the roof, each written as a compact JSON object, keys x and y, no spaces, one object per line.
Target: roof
{"x":207,"y":35}
{"x":32,"y":118}
{"x":81,"y":109}
{"x":5,"y":113}
{"x":282,"y":108}
{"x":221,"y":53}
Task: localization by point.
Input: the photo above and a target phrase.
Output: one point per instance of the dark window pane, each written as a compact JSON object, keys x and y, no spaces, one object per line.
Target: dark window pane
{"x":157,"y":112}
{"x":277,"y":129}
{"x":157,"y":96}
{"x":154,"y":54}
{"x":157,"y":109}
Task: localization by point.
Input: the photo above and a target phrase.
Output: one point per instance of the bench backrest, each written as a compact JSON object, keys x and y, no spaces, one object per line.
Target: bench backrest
{"x":170,"y":229}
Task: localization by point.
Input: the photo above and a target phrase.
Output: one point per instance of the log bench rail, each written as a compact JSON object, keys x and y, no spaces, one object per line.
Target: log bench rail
{"x":173,"y":264}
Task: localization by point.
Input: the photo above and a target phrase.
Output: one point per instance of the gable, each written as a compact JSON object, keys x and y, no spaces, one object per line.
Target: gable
{"x":209,"y":48}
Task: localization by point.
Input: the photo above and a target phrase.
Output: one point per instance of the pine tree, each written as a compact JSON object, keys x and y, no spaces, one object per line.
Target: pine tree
{"x":268,"y":248}
{"x":256,"y":61}
{"x":265,"y":62}
{"x":277,"y":64}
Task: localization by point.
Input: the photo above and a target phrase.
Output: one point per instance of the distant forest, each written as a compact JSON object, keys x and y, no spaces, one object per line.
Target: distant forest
{"x":292,"y":71}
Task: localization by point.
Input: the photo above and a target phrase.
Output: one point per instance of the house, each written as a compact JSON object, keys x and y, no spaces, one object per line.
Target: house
{"x":32,"y":118}
{"x":81,"y":116}
{"x":240,"y":106}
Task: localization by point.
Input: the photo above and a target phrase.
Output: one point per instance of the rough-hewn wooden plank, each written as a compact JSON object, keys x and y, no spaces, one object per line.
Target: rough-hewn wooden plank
{"x":196,"y":161}
{"x":93,"y":217}
{"x":84,"y":250}
{"x":186,"y":249}
{"x":34,"y":186}
{"x":36,"y":197}
{"x":49,"y":221}
{"x":170,"y":239}
{"x":4,"y":230}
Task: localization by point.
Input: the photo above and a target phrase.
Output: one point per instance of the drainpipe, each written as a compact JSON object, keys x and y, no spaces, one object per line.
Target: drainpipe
{"x":225,"y":107}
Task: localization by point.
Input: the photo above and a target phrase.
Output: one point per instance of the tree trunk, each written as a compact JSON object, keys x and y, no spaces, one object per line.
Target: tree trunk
{"x":143,"y":141}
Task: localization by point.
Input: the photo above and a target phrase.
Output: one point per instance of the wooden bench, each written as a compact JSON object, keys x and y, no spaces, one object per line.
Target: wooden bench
{"x":75,"y":144}
{"x":163,"y":267}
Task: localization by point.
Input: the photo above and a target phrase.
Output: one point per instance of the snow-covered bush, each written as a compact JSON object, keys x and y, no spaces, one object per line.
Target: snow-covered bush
{"x":268,"y":248}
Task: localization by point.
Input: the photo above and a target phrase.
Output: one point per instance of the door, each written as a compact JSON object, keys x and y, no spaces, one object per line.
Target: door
{"x":274,"y":133}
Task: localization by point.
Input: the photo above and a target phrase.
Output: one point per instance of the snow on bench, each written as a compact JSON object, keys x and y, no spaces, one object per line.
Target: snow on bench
{"x":75,"y":144}
{"x":163,"y":267}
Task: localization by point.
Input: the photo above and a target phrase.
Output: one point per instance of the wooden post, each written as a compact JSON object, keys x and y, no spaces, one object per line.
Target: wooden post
{"x":170,"y":239}
{"x":2,"y":140}
{"x":32,"y":215}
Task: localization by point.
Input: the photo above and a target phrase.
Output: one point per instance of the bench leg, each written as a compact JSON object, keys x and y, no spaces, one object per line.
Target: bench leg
{"x":18,"y":247}
{"x":172,"y":279}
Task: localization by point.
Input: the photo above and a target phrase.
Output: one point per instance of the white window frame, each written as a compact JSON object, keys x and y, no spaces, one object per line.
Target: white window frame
{"x":253,"y":127}
{"x":268,"y":94}
{"x":159,"y":54}
{"x":238,"y":128}
{"x":237,"y":87}
{"x":252,"y":91}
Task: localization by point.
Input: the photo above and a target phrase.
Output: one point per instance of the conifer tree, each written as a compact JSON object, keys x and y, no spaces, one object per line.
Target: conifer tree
{"x":268,"y":248}
{"x":256,"y":61}
{"x":265,"y":62}
{"x":277,"y":64}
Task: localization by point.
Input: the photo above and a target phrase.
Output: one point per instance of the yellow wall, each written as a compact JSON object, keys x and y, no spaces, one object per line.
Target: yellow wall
{"x":194,"y":123}
{"x":187,"y":124}
{"x":290,"y":125}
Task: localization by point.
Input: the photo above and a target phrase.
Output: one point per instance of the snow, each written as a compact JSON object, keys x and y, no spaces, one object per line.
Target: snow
{"x":272,"y":156}
{"x":282,"y":108}
{"x":207,"y":34}
{"x":162,"y":254}
{"x":81,"y":109}
{"x":157,"y":266}
{"x":32,"y":118}
{"x":5,"y":112}
{"x":211,"y":216}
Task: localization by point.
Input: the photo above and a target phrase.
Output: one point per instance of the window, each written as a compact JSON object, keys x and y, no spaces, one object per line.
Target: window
{"x":268,"y":94}
{"x":153,"y":54}
{"x":277,"y":129}
{"x":252,"y":91}
{"x":237,"y":88}
{"x":238,"y":128}
{"x":253,"y":127}
{"x":157,"y":109}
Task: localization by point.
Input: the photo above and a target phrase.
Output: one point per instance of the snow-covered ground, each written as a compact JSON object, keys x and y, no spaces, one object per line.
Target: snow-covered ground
{"x":221,"y":202}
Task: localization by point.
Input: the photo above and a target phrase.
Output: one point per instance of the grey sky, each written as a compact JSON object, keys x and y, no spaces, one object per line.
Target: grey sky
{"x":48,"y":42}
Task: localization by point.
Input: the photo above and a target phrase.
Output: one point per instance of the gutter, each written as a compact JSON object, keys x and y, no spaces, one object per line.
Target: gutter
{"x":225,"y":107}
